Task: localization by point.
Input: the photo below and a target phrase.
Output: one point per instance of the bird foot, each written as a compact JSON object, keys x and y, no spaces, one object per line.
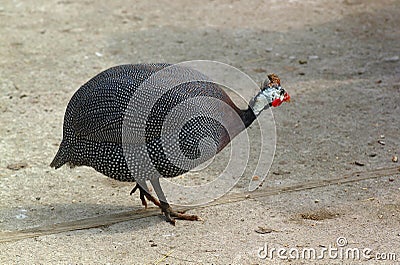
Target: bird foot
{"x":145,"y":195}
{"x":166,"y":209}
{"x":172,"y":215}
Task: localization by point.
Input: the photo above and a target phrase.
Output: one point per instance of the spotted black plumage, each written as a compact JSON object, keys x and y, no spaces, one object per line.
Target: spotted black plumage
{"x":94,"y":119}
{"x":99,"y":130}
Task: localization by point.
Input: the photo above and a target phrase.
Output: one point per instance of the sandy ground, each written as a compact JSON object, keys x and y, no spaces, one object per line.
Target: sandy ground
{"x":340,"y":62}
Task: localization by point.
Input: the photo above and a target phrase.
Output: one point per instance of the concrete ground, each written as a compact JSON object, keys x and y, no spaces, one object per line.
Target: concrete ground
{"x":339,"y":60}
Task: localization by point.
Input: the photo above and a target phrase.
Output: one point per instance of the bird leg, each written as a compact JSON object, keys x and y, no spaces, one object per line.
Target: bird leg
{"x":166,"y":209}
{"x":144,"y":194}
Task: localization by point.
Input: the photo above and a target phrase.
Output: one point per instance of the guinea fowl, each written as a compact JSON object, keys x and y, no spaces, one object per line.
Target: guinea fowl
{"x":96,"y":117}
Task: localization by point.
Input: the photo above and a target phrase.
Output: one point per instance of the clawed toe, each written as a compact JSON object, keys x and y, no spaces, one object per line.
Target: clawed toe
{"x":172,"y":215}
{"x":145,"y":195}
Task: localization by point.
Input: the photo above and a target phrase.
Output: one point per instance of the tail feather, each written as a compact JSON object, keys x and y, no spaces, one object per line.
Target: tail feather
{"x":61,"y":157}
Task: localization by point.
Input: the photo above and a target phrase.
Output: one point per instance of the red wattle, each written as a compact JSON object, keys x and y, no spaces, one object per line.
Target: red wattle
{"x":277,"y":102}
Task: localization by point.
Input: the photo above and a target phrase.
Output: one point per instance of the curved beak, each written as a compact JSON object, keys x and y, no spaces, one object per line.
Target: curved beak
{"x":286,"y":97}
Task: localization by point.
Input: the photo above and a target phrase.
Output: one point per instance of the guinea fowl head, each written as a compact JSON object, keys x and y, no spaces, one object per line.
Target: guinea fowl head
{"x":271,"y":94}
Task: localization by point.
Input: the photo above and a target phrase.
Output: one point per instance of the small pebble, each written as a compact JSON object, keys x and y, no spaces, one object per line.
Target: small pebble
{"x":313,"y":57}
{"x":381,"y":142}
{"x":395,"y":159}
{"x":391,"y":59}
{"x":280,"y":172}
{"x":264,"y":230}
{"x":17,"y":166}
{"x":357,"y":163}
{"x":259,"y":70}
{"x":21,"y":216}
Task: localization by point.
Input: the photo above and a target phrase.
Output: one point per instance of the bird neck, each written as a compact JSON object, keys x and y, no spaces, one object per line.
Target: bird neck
{"x":247,"y":116}
{"x":259,"y":103}
{"x":256,"y":106}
